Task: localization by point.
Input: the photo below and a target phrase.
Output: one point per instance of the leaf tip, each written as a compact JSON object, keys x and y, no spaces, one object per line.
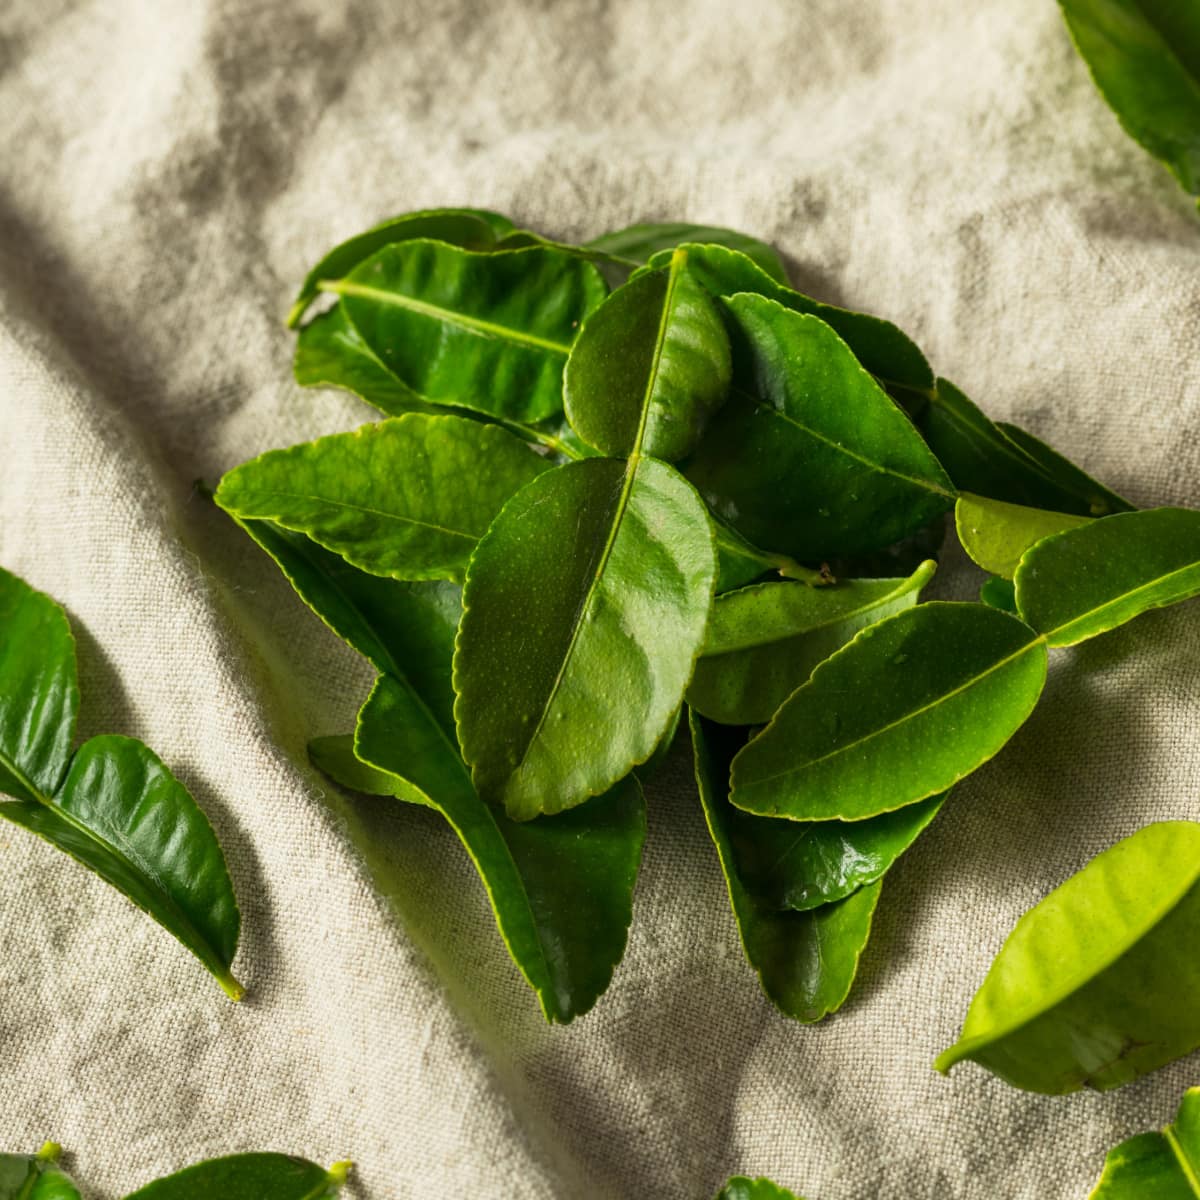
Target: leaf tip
{"x":339,"y":1171}
{"x":50,"y":1152}
{"x":295,"y":313}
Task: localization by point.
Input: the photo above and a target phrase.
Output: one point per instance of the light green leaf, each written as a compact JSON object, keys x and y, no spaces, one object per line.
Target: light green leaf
{"x":763,"y":642}
{"x":1157,"y":1166}
{"x":650,"y":366}
{"x":36,"y":1176}
{"x":1145,"y":58}
{"x":249,"y":1177}
{"x":995,"y":534}
{"x":912,"y":705}
{"x":642,"y":242}
{"x":584,"y":609}
{"x":805,"y":961}
{"x":118,"y":810}
{"x":1080,"y":583}
{"x":470,"y":228}
{"x":809,"y":456}
{"x":1096,"y":985}
{"x":888,"y":353}
{"x":407,"y":497}
{"x":485,"y":331}
{"x":742,"y":1188}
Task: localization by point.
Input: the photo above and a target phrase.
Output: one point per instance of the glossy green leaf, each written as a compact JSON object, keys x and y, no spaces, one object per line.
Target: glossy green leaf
{"x":249,"y":1177}
{"x":740,"y":1187}
{"x":763,"y":642}
{"x":805,"y":961}
{"x":640,"y":243}
{"x":407,"y":497}
{"x":118,"y":810}
{"x":995,"y":534}
{"x":36,"y":1176}
{"x":999,"y":593}
{"x":584,"y":609}
{"x":912,"y":705}
{"x":1097,"y":984}
{"x":809,"y":455}
{"x":1145,"y":58}
{"x":1080,"y":583}
{"x":470,"y":228}
{"x":887,"y":352}
{"x":1003,"y":462}
{"x":484,"y":331}
{"x":650,"y":366}
{"x":1157,"y":1166}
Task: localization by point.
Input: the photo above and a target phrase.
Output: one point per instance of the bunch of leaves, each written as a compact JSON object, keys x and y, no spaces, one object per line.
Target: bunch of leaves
{"x":588,"y":509}
{"x":237,"y":1177}
{"x":111,"y":804}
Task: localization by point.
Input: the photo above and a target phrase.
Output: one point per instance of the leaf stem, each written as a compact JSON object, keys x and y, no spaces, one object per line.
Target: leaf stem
{"x":339,"y":1171}
{"x":50,"y":1152}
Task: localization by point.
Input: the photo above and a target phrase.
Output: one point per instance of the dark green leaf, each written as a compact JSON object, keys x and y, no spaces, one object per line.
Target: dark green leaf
{"x":484,"y":331}
{"x":640,"y":243}
{"x":1157,"y":1166}
{"x":999,"y":593}
{"x":1145,"y":58}
{"x":650,"y":366}
{"x":763,"y":642}
{"x":1080,"y":583}
{"x":407,"y":497}
{"x":809,"y":456}
{"x":887,"y":352}
{"x":249,"y":1177}
{"x":584,"y":609}
{"x":905,"y":710}
{"x":470,"y":228}
{"x":995,"y":534}
{"x":742,"y":1188}
{"x":35,"y":1176}
{"x":805,"y":961}
{"x":1065,"y":475}
{"x":119,"y":810}
{"x":1097,"y":984}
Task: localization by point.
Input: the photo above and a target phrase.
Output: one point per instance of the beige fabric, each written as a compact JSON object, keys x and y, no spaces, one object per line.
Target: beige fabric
{"x":170,"y":169}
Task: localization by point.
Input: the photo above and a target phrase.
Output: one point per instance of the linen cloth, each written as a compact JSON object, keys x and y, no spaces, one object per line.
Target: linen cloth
{"x":169,"y":171}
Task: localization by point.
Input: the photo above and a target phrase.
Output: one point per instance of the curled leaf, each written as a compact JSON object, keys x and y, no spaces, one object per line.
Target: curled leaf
{"x":995,"y":534}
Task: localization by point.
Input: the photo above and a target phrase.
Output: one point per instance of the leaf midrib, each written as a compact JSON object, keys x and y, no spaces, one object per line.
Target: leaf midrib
{"x":476,"y":325}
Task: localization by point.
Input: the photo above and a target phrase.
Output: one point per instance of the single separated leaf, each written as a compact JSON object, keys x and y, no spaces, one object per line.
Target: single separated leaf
{"x":1157,"y":1166}
{"x":1075,"y":585}
{"x":763,"y":642}
{"x":584,"y":609}
{"x":470,"y":228}
{"x":1097,"y":984}
{"x":113,"y":806}
{"x":995,"y":534}
{"x":407,"y":497}
{"x":249,"y":1177}
{"x":809,"y":455}
{"x":912,"y":705}
{"x":36,"y":1176}
{"x":489,"y":332}
{"x":740,"y":1187}
{"x":650,"y":366}
{"x":642,"y":242}
{"x":886,"y":351}
{"x":1144,"y":56}
{"x":805,"y":961}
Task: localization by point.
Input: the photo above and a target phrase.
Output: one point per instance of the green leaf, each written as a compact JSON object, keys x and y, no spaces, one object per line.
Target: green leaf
{"x":36,"y":1176}
{"x":1144,"y":56}
{"x":995,"y":534}
{"x":887,"y":352}
{"x":485,"y":331}
{"x":249,"y":1177}
{"x":470,"y":228}
{"x":999,"y":593}
{"x":640,"y":243}
{"x":809,"y":456}
{"x":407,"y":497}
{"x":763,"y":642}
{"x":1096,"y":985}
{"x":118,"y":810}
{"x":584,"y":609}
{"x":1164,"y":1166}
{"x":805,"y":961}
{"x":912,"y":705}
{"x":1080,"y":583}
{"x":1003,"y":462}
{"x":739,"y":1187}
{"x":650,"y":366}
